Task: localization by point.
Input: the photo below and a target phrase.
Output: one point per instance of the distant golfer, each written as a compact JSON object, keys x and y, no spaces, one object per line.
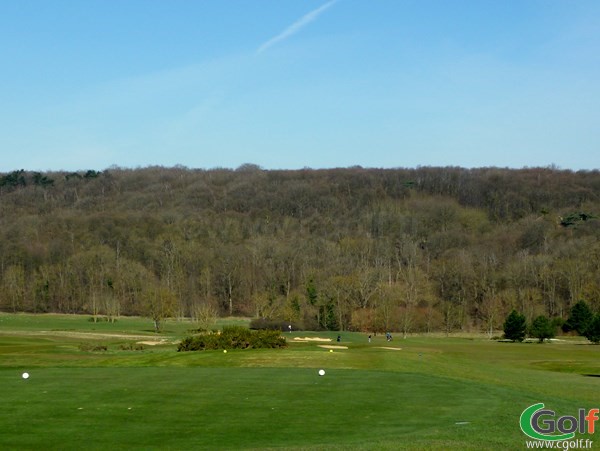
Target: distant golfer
{"x":339,"y":338}
{"x":369,"y":339}
{"x":290,"y":327}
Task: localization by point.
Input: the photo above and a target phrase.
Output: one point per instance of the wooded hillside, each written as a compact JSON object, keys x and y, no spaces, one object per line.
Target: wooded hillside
{"x":365,"y":249}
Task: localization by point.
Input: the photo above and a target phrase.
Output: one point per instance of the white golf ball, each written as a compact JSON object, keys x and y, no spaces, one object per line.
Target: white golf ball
{"x":321,"y":372}
{"x":25,"y":375}
{"x":225,"y":351}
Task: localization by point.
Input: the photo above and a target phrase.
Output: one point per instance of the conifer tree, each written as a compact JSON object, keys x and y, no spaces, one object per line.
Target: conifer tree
{"x":579,"y":319}
{"x":515,"y":326}
{"x":592,"y":332}
{"x":541,"y":328}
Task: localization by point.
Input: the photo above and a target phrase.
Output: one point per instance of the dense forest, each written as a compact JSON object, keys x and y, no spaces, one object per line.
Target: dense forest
{"x":409,"y":250}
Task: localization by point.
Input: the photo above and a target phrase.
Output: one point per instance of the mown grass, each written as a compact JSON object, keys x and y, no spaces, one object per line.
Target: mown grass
{"x":85,"y":323}
{"x":435,"y":393}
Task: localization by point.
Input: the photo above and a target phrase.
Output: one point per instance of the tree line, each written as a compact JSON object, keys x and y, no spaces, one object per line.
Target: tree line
{"x":581,"y":320}
{"x":424,"y":249}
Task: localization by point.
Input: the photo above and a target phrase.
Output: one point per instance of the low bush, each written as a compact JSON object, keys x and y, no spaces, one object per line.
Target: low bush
{"x":233,"y":337}
{"x":273,"y":324}
{"x":92,"y":348}
{"x":132,"y":347}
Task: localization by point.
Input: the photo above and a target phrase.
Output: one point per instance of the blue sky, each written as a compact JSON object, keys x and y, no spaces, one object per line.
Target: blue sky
{"x":292,"y":84}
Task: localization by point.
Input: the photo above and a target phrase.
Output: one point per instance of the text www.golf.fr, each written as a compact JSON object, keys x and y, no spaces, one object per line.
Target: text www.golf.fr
{"x":561,"y":444}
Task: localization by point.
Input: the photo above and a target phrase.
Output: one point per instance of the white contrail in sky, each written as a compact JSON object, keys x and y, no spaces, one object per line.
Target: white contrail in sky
{"x":296,"y":26}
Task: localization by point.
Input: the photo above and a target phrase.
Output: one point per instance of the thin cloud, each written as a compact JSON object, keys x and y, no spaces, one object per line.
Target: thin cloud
{"x":296,"y":26}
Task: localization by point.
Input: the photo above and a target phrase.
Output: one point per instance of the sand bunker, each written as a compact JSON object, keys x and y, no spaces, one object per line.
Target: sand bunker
{"x":311,"y":339}
{"x":333,"y":347}
{"x":152,"y":343}
{"x":391,"y":349}
{"x":71,"y":334}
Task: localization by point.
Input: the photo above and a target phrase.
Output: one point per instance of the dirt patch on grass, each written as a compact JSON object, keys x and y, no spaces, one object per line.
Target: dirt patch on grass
{"x":390,"y":348}
{"x":308,"y":339}
{"x":153,"y":343}
{"x":333,"y":347}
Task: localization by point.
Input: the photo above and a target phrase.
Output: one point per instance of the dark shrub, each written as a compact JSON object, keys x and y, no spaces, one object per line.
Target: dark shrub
{"x":579,"y":319}
{"x":592,"y":332}
{"x":200,"y":342}
{"x":267,"y":339}
{"x":541,"y":328}
{"x":515,"y":326}
{"x":233,"y":337}
{"x":92,"y":348}
{"x":273,"y":324}
{"x":132,"y":347}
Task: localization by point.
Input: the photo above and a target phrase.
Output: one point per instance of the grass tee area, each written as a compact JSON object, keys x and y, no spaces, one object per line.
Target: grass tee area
{"x":140,"y":393}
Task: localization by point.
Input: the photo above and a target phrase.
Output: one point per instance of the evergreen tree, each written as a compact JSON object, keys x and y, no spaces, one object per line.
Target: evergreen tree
{"x":579,"y":319}
{"x":515,"y":326}
{"x":311,"y":292}
{"x":541,"y":328}
{"x":592,"y":332}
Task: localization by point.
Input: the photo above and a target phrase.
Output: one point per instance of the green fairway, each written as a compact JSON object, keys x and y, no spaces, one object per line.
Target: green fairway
{"x":433,"y":393}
